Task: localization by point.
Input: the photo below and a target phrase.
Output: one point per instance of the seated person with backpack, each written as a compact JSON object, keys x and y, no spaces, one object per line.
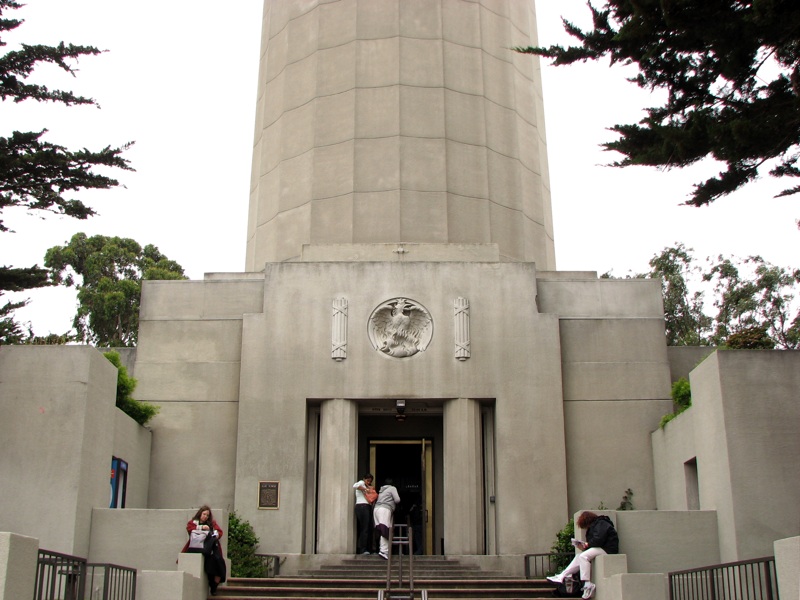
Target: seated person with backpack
{"x":601,"y":538}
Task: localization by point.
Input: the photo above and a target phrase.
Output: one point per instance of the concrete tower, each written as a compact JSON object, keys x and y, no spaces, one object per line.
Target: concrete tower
{"x":389,"y":121}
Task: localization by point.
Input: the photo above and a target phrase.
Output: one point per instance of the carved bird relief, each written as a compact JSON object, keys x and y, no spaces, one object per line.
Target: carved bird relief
{"x":401,"y":327}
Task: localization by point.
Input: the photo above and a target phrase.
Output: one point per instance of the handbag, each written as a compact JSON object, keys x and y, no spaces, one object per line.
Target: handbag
{"x":371,"y":495}
{"x":197,"y":539}
{"x":210,"y":543}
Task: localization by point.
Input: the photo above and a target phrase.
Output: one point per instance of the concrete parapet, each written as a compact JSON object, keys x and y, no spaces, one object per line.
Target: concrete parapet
{"x":18,"y":556}
{"x":607,"y":565}
{"x":634,"y":586}
{"x":154,"y":538}
{"x":655,"y":540}
{"x":175,"y":585}
{"x":787,"y":564}
{"x":192,"y":564}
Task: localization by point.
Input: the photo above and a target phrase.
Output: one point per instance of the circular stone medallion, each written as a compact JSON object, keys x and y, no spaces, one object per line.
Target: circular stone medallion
{"x":400,"y":328}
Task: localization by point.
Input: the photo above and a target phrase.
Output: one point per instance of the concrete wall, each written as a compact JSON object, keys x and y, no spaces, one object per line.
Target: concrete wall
{"x":188,"y":363}
{"x":730,"y":452}
{"x":616,"y":383}
{"x":145,"y":539}
{"x":655,"y":541}
{"x":56,"y":422}
{"x":674,"y":459}
{"x":133,"y":444}
{"x":746,"y":416}
{"x":683,"y":359}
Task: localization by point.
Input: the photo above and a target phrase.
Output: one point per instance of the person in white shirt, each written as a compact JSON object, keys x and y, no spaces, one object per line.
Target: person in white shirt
{"x":363,"y":513}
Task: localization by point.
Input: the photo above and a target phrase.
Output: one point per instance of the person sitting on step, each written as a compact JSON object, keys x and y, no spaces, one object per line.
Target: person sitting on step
{"x":601,"y":538}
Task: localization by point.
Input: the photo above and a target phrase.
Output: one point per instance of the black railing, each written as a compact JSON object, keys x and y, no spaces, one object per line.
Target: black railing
{"x":110,"y":582}
{"x":744,"y":580}
{"x":401,"y":536}
{"x":538,"y":566}
{"x":64,"y":577}
{"x":59,"y":577}
{"x":272,"y":564}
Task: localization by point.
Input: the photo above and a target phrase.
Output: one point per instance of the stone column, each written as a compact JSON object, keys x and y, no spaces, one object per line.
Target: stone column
{"x":337,"y":467}
{"x":463,"y":498}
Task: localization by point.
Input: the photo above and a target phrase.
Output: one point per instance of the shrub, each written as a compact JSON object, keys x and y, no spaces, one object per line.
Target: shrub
{"x":242,"y":542}
{"x":141,"y":412}
{"x":751,"y":338}
{"x":681,"y":398}
{"x":563,"y":545}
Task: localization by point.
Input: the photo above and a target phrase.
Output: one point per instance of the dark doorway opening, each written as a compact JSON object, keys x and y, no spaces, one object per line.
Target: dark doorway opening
{"x":407,"y":464}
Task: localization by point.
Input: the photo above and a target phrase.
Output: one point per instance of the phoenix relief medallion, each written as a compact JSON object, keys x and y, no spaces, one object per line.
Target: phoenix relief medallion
{"x":400,"y":327}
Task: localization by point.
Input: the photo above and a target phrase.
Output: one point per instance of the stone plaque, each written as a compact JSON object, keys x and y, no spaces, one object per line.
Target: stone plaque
{"x":269,"y":495}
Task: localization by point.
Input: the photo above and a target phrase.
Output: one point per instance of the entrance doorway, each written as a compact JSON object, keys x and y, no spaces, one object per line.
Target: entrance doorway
{"x":409,"y":463}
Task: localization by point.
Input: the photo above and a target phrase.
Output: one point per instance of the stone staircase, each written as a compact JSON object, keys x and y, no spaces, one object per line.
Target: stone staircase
{"x":364,"y":577}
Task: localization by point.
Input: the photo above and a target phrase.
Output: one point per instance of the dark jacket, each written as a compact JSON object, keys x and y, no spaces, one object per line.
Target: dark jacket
{"x":601,"y":534}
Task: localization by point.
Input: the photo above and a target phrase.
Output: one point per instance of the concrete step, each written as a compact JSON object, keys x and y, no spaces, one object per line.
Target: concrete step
{"x":431,"y":567}
{"x":363,"y":588}
{"x":363,"y":577}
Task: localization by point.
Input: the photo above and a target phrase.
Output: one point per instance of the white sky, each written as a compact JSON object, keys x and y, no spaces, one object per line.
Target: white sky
{"x":179,"y":78}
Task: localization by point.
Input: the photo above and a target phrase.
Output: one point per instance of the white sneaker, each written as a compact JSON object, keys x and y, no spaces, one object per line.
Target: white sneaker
{"x":555,"y":579}
{"x":588,"y":590}
{"x":384,"y":556}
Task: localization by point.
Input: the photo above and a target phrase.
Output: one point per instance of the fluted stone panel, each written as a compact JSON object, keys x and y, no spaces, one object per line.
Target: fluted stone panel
{"x":389,"y":121}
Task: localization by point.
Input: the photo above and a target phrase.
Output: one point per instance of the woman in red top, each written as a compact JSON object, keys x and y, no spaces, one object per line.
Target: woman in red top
{"x":213,"y":562}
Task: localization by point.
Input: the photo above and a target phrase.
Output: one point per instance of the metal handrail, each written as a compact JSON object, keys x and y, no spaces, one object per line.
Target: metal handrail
{"x":272,"y":562}
{"x":59,"y":576}
{"x":119,"y":583}
{"x":553,"y":560}
{"x":62,"y":576}
{"x":401,"y":540}
{"x":754,"y":579}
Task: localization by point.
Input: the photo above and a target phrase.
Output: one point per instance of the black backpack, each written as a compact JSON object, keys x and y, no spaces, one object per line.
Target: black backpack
{"x":571,"y":587}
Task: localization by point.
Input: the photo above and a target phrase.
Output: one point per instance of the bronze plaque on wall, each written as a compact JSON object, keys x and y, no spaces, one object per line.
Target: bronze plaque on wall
{"x":268,"y":495}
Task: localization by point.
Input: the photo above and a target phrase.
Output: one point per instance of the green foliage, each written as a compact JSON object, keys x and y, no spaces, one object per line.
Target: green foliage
{"x":563,"y":546}
{"x":732,"y":74}
{"x":242,"y":542}
{"x":681,"y":398}
{"x":756,"y":304}
{"x":17,"y":280}
{"x":12,"y":332}
{"x":108,"y":274}
{"x":627,"y":500}
{"x":51,"y":339}
{"x":686,"y":323}
{"x":682,"y":394}
{"x":37,"y":175}
{"x":139,"y":411}
{"x":752,"y":338}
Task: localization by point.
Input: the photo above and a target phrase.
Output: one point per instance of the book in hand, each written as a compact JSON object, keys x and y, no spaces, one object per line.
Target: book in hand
{"x":577,"y":543}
